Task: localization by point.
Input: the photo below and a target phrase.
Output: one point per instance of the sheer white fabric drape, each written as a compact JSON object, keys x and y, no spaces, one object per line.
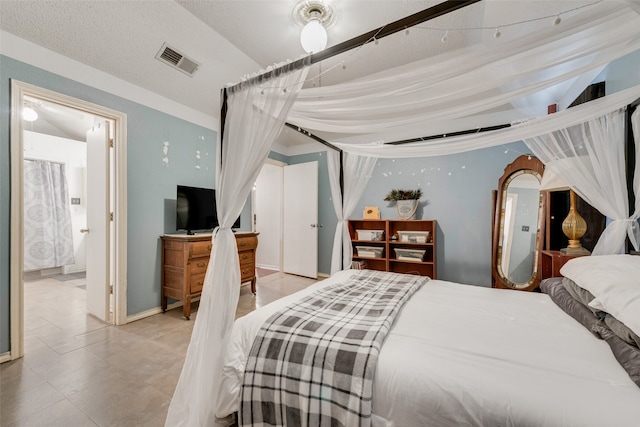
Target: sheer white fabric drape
{"x":477,"y":85}
{"x":255,"y":117}
{"x":517,"y":132}
{"x":357,"y":171}
{"x":590,"y":158}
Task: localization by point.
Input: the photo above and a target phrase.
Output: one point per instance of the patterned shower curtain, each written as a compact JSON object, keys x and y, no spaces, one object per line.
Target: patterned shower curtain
{"x":48,"y":238}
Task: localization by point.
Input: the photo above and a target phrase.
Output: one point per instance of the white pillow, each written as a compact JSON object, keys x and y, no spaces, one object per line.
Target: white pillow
{"x":614,"y":281}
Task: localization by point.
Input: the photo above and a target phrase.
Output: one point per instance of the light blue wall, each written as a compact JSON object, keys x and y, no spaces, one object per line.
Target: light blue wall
{"x":5,"y":196}
{"x":151,"y":185}
{"x":457,"y":194}
{"x":279,"y":157}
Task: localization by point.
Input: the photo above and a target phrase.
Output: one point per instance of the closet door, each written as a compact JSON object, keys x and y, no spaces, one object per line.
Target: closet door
{"x":300,"y":233}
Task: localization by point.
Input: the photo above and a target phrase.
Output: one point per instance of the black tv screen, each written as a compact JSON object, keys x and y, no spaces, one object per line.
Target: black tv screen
{"x":196,"y":209}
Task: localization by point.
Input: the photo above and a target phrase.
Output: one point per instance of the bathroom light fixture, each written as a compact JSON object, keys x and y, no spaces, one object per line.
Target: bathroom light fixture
{"x":316,"y":16}
{"x":29,"y":114}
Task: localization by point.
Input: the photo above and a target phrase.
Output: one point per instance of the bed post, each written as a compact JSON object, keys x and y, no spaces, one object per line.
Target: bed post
{"x":630,"y":156}
{"x":223,"y":119}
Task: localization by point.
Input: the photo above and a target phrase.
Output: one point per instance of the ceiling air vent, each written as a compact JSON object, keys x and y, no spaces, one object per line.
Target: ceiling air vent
{"x":177,"y":60}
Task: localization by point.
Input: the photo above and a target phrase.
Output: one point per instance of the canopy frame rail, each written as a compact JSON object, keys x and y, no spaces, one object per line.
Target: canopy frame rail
{"x":433,"y":12}
{"x":445,"y":135}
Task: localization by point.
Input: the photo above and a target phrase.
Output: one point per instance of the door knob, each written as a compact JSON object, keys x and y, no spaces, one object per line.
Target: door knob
{"x":84,"y":230}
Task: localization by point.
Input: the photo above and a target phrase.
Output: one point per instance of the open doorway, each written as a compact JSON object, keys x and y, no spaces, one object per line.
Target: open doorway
{"x":285,"y":200}
{"x":68,"y":229}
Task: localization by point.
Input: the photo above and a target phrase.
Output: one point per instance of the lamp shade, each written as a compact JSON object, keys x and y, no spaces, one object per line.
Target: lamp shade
{"x":313,"y":36}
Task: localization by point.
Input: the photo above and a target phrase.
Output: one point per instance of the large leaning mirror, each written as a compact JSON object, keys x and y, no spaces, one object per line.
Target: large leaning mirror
{"x":518,"y":225}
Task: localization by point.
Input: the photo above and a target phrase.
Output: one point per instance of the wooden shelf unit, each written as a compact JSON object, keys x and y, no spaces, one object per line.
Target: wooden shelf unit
{"x":388,"y":261}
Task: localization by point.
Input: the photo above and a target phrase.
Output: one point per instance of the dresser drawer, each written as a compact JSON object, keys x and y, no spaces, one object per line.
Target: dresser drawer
{"x":196,"y":281}
{"x":246,"y":257}
{"x":246,"y":273}
{"x":245,"y":243}
{"x":199,"y":265}
{"x":199,"y":249}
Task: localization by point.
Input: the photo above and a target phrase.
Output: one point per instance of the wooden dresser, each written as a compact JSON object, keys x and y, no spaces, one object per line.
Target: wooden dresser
{"x":185,"y":260}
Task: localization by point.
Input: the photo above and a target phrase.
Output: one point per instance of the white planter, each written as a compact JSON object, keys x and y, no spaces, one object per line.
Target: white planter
{"x":406,"y":209}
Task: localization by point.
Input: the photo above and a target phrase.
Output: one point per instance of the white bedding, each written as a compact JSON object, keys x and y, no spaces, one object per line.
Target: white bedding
{"x":466,"y":355}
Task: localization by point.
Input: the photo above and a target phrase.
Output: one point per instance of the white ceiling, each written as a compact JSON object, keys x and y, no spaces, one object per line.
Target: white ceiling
{"x":234,"y":38}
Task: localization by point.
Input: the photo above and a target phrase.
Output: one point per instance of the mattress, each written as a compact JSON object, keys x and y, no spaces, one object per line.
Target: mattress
{"x":467,"y":355}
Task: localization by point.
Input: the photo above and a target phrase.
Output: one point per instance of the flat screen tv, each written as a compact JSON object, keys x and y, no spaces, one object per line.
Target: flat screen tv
{"x":196,"y":209}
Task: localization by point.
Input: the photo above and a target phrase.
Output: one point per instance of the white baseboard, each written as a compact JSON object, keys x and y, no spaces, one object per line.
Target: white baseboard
{"x":5,"y":357}
{"x":324,"y":275}
{"x":268,"y":267}
{"x":156,"y":310}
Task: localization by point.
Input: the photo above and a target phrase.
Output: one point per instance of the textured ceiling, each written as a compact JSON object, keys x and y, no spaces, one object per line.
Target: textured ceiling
{"x":234,"y":38}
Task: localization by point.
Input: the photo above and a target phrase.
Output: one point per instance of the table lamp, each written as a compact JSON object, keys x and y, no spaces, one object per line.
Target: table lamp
{"x":573,"y":226}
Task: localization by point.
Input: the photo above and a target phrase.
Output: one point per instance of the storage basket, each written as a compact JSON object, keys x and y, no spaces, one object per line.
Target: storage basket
{"x":413,"y":236}
{"x":403,"y":254}
{"x":369,"y":251}
{"x":372,"y":235}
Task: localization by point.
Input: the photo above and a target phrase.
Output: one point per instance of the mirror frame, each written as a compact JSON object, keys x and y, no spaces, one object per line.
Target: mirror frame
{"x":521,"y":165}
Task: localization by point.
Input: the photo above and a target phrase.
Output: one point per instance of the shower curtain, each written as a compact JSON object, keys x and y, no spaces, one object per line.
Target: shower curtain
{"x":48,"y":238}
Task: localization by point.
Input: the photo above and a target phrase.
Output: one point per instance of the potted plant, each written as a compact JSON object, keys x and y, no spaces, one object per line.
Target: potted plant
{"x":406,"y":202}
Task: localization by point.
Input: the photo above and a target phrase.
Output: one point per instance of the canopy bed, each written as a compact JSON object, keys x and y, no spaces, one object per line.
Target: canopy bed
{"x":412,"y":98}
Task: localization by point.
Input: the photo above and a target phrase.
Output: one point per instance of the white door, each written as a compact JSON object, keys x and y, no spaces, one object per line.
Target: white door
{"x":300,"y":217}
{"x":268,"y":212}
{"x":97,"y":229}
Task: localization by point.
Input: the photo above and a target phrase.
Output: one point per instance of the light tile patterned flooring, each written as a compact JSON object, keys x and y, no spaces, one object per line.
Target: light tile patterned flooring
{"x":78,"y":371}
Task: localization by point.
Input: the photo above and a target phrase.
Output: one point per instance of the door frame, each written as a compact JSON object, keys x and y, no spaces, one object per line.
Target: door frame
{"x":119,"y":228}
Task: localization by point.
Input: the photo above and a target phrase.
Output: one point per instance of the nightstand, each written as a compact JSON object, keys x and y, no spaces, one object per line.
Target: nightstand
{"x":551,"y":263}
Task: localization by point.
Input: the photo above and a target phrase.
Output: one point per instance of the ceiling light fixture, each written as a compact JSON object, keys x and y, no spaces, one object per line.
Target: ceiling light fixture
{"x":316,"y":16}
{"x":29,"y":114}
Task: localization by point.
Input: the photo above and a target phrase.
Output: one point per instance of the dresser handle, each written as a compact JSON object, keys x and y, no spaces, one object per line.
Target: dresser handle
{"x":245,"y":272}
{"x":245,"y":256}
{"x":209,"y":247}
{"x":199,"y":283}
{"x":243,"y":243}
{"x":201,"y":264}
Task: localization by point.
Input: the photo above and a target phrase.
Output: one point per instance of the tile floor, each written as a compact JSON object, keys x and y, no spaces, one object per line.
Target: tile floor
{"x":78,"y":371}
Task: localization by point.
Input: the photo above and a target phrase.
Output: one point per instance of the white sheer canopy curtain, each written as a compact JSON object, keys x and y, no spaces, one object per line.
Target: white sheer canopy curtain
{"x":255,"y":117}
{"x":439,"y":94}
{"x":590,"y":158}
{"x":357,"y":171}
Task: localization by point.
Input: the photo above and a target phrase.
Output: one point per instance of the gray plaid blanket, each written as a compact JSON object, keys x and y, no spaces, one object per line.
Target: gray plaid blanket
{"x":312,"y":364}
